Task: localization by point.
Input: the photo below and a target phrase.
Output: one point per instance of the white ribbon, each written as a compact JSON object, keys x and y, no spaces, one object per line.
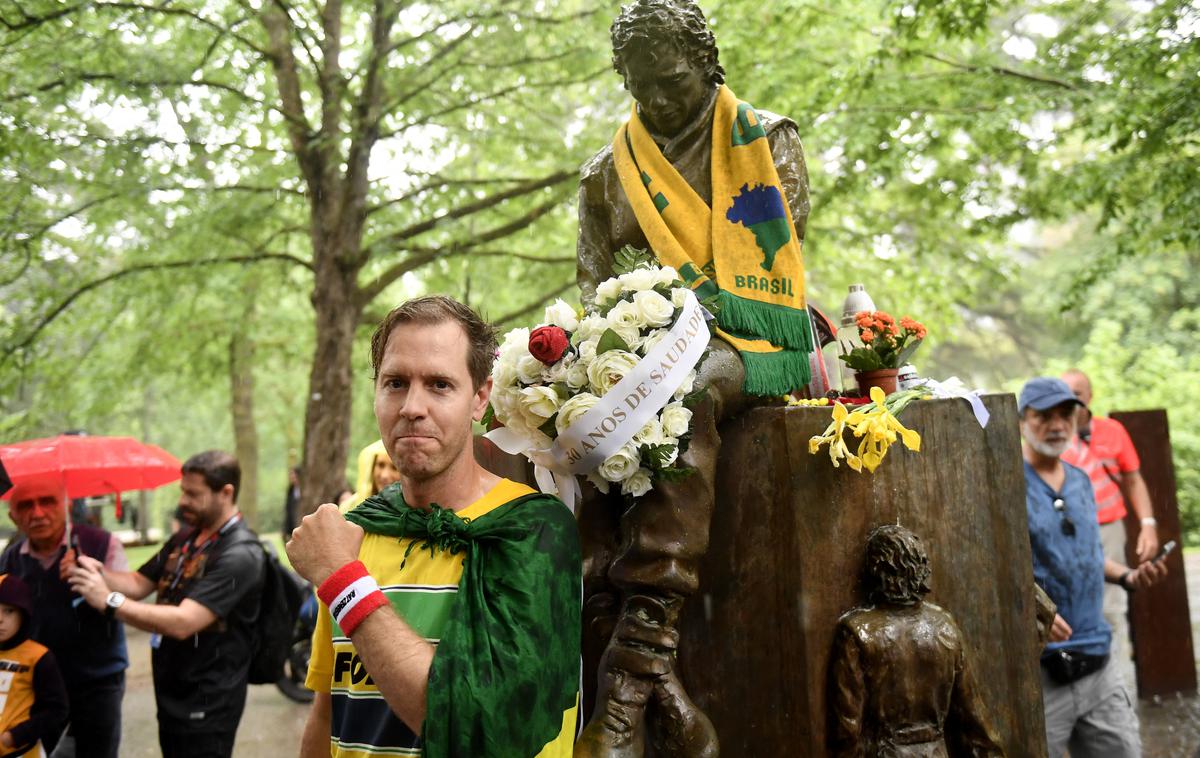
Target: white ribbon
{"x":551,"y":477}
{"x":954,"y":387}
{"x":621,"y":412}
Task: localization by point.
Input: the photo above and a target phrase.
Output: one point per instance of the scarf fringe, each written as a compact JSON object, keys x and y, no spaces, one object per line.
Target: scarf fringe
{"x":774,"y":374}
{"x":780,"y":325}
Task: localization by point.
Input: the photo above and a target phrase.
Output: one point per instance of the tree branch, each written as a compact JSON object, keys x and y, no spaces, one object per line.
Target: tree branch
{"x":64,"y":141}
{"x":422,"y":188}
{"x":367,"y":113}
{"x":394,"y":272}
{"x":466,"y":210}
{"x":329,"y":77}
{"x":172,"y":10}
{"x":400,"y":44}
{"x":119,"y":79}
{"x":138,"y":269}
{"x":501,"y":254}
{"x":249,"y":188}
{"x":437,"y":76}
{"x":472,"y":102}
{"x":71,"y":213}
{"x":164,"y":9}
{"x":1001,"y":70}
{"x":373,"y":317}
{"x":533,"y":306}
{"x":277,"y":22}
{"x":303,"y":34}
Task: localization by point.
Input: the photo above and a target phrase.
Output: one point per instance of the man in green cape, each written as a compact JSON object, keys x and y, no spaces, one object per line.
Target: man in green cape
{"x":451,"y":600}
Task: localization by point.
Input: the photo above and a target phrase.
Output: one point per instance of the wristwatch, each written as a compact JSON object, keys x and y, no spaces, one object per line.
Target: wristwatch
{"x":114,"y":601}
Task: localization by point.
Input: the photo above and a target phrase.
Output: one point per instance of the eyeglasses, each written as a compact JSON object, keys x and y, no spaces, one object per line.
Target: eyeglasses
{"x":1066,"y":524}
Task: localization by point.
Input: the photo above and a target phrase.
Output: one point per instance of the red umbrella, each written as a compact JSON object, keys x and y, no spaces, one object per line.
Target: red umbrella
{"x":91,"y":465}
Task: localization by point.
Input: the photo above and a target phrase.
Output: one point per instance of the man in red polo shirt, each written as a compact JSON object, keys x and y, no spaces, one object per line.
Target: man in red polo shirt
{"x":1104,"y":451}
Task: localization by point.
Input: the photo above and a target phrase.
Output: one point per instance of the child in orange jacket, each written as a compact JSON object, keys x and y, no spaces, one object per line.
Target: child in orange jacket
{"x":33,"y":699}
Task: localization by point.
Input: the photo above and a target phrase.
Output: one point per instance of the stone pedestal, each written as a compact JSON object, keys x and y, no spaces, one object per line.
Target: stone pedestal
{"x":788,"y":539}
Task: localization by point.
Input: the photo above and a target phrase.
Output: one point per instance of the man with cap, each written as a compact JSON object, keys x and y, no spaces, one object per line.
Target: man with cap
{"x":88,"y":644}
{"x":1087,"y":708}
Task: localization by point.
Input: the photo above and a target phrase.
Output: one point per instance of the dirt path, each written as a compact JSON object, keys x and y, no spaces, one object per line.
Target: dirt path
{"x":270,"y":728}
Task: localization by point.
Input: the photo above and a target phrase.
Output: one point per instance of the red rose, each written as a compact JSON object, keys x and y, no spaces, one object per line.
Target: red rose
{"x":548,"y":343}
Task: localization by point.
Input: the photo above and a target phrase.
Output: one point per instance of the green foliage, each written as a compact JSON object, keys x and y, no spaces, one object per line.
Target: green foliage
{"x":610,"y":340}
{"x":152,"y":164}
{"x":877,"y":356}
{"x":864,"y":359}
{"x":674,"y":474}
{"x":631,"y":258}
{"x":1019,"y":176}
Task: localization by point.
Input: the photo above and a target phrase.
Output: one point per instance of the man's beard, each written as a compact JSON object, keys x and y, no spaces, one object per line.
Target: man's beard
{"x":195,"y":518}
{"x":1049,"y":449}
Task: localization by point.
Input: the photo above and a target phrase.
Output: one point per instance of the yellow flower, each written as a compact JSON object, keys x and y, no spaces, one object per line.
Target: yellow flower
{"x":832,"y":436}
{"x":876,"y":427}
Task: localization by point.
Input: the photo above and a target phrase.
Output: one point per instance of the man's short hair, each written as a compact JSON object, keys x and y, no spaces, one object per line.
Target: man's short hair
{"x":218,"y":469}
{"x":897,"y":569}
{"x":652,"y":23}
{"x":436,"y":309}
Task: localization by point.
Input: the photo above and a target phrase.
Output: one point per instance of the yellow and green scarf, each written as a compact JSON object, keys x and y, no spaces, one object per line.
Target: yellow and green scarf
{"x":743,"y":249}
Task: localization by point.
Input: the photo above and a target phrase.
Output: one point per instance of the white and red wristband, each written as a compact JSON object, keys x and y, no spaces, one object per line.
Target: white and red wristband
{"x":351,"y":594}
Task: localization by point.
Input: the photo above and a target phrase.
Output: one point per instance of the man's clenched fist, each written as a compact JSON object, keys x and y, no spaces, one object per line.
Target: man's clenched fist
{"x":323,"y":543}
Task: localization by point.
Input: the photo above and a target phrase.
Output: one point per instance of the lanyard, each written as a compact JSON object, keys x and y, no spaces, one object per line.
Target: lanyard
{"x":186,"y":549}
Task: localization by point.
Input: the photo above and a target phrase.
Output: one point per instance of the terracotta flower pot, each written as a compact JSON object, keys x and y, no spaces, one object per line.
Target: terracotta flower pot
{"x":883,"y":378}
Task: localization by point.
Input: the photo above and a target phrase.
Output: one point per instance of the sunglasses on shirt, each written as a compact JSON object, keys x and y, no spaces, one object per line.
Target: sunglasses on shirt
{"x":1066,"y":524}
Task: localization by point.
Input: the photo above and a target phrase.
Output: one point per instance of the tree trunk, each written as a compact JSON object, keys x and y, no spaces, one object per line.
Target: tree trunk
{"x":327,"y":416}
{"x":241,"y":404}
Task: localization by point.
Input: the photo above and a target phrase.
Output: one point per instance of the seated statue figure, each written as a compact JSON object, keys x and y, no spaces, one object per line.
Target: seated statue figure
{"x":899,"y":686}
{"x":719,"y":191}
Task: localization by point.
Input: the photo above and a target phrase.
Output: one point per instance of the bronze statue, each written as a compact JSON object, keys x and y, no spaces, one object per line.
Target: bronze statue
{"x":640,"y":563}
{"x":899,"y":682}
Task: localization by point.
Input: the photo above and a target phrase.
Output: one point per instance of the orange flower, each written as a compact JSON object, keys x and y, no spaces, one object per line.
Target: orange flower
{"x":867,"y":336}
{"x":862,"y":318}
{"x":884,"y":317}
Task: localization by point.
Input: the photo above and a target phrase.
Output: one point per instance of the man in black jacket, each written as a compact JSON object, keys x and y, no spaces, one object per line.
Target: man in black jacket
{"x":209,"y":579}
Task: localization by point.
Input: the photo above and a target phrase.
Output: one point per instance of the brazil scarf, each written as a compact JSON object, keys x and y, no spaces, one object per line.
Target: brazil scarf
{"x":743,"y":249}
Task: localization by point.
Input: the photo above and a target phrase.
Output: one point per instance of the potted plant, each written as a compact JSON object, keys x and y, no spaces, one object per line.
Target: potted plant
{"x":887,"y":346}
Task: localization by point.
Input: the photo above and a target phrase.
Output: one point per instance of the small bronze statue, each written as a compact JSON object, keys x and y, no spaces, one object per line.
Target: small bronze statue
{"x":899,"y":683}
{"x":689,"y":134}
